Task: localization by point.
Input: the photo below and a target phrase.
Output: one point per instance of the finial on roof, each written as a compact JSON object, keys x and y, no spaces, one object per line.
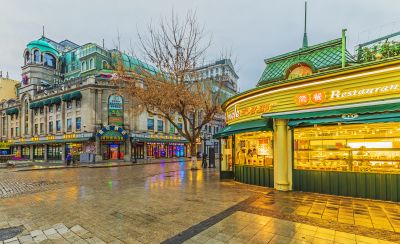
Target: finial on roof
{"x":42,"y":30}
{"x":305,"y":39}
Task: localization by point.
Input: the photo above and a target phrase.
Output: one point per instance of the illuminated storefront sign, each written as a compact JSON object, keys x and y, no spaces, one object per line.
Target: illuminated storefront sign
{"x":252,"y":110}
{"x":345,"y":94}
{"x":116,"y":110}
{"x":112,"y":133}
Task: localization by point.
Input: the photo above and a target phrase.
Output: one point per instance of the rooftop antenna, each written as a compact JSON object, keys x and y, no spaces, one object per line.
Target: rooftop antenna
{"x":305,"y":39}
{"x":103,"y":42}
{"x":43,"y":31}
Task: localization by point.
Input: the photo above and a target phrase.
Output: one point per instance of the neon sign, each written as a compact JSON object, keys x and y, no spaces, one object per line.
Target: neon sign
{"x":256,"y":109}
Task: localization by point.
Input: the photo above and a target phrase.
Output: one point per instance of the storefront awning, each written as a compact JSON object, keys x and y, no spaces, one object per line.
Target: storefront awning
{"x":359,"y":108}
{"x":247,"y":126}
{"x":352,"y":119}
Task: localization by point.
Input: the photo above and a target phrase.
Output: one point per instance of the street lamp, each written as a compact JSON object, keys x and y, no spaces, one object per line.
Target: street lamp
{"x":135,"y":140}
{"x":206,"y":137}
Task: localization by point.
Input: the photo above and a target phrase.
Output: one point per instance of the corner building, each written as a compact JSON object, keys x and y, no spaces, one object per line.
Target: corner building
{"x":320,"y":120}
{"x":67,"y":103}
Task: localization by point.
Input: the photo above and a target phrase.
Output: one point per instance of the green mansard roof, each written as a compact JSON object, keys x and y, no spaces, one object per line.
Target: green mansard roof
{"x":319,"y":57}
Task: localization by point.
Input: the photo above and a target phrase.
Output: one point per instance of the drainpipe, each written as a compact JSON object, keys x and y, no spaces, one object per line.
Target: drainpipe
{"x":344,"y":48}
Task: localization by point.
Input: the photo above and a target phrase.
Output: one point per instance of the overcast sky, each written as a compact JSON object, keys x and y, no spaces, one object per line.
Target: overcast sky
{"x":252,"y":29}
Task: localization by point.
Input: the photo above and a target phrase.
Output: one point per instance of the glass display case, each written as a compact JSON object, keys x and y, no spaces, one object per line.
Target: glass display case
{"x":359,"y":148}
{"x":254,"y":148}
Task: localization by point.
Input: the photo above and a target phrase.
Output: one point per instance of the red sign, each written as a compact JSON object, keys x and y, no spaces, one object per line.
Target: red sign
{"x":318,"y":97}
{"x":302,"y":99}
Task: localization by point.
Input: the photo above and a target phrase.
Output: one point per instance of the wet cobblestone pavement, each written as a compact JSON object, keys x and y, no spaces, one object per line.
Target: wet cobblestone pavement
{"x":170,"y":203}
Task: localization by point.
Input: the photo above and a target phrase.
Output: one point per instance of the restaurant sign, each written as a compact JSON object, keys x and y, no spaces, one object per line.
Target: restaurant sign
{"x":116,"y":110}
{"x":317,"y":97}
{"x":247,"y":111}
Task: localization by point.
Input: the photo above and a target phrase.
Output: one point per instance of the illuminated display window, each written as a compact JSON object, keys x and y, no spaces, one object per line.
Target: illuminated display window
{"x":358,"y":148}
{"x":254,"y":148}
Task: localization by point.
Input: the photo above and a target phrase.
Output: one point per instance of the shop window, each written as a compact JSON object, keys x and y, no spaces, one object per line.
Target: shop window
{"x":78,"y":123}
{"x":69,"y":124}
{"x":150,"y":124}
{"x":254,"y":148}
{"x":78,"y":103}
{"x":226,"y":161}
{"x":358,"y":148}
{"x":51,"y":127}
{"x":58,"y":125}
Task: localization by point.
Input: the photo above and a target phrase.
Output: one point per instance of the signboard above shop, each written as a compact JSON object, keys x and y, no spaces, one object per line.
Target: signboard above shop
{"x":357,"y":86}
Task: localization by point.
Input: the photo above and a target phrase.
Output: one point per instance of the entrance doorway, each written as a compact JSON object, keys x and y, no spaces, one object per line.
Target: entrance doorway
{"x":114,"y":151}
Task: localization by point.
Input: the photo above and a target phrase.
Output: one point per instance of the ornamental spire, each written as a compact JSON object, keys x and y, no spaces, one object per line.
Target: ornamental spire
{"x":305,"y":39}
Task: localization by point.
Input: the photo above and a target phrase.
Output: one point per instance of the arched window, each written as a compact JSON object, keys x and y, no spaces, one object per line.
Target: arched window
{"x":36,"y":56}
{"x":49,"y":60}
{"x":91,"y":63}
{"x":84,"y":66}
{"x":104,"y":64}
{"x":27,"y":57}
{"x":26,"y":119}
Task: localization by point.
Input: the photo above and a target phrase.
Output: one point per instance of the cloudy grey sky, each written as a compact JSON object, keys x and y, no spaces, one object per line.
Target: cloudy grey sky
{"x":252,"y":29}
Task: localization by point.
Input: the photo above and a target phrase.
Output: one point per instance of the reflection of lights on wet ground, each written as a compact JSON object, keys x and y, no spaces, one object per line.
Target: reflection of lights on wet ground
{"x":110,"y":184}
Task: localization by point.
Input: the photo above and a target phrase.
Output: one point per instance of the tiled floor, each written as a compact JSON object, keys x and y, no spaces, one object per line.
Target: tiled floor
{"x":242,"y":227}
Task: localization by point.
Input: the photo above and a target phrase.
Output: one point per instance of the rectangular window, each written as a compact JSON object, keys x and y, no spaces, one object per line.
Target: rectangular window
{"x":78,"y":103}
{"x":4,"y":125}
{"x":160,"y":125}
{"x":254,"y":148}
{"x":78,"y":123}
{"x":16,"y":131}
{"x":51,"y":108}
{"x":171,"y":128}
{"x":12,"y":132}
{"x":36,"y":129}
{"x":51,"y":127}
{"x":58,"y":125}
{"x":372,"y":148}
{"x":69,"y":124}
{"x":180,"y":126}
{"x":35,"y":111}
{"x":41,"y":110}
{"x":209,"y":128}
{"x":69,"y":104}
{"x":41,"y":128}
{"x":150,"y":124}
{"x":58,"y":107}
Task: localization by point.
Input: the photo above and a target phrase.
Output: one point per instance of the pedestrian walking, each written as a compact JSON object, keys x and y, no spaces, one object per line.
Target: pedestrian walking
{"x":69,"y":159}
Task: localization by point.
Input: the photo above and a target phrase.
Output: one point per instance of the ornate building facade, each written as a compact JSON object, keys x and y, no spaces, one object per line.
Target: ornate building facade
{"x":67,"y":104}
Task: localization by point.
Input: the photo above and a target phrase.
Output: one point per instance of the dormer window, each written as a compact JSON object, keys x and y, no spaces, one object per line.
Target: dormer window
{"x":49,"y":60}
{"x":27,"y":57}
{"x":36,"y":56}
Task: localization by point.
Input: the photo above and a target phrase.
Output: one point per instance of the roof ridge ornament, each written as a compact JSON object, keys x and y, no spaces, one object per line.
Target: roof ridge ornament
{"x":305,"y":39}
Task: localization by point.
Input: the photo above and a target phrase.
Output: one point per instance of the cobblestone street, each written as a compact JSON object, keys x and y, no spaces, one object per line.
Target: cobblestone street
{"x":170,"y":203}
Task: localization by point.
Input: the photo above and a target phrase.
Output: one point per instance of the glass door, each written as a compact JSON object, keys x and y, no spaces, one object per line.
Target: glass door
{"x":226,"y":160}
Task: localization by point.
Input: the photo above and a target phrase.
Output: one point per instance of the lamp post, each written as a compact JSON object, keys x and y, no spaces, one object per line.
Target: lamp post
{"x":135,"y":150}
{"x":206,"y":136}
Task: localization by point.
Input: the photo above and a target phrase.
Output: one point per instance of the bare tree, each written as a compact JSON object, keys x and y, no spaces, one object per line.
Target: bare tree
{"x":172,"y":88}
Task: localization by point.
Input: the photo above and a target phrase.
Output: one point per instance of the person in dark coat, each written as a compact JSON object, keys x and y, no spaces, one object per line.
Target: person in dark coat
{"x":69,"y":159}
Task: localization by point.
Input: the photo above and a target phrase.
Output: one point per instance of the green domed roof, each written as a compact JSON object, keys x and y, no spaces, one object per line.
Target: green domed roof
{"x":43,"y":46}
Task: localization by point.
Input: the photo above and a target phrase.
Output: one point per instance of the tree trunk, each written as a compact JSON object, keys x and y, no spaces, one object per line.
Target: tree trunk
{"x":193,"y":152}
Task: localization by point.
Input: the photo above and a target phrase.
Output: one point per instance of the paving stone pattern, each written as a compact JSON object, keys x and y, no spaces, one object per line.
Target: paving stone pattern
{"x":161,"y":202}
{"x":59,"y":233}
{"x":242,"y":227}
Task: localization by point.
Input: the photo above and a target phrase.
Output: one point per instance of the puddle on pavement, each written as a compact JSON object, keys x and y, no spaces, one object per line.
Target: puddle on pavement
{"x":10,"y":232}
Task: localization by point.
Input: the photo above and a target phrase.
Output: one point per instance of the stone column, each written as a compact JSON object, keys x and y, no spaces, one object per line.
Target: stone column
{"x":281,"y":162}
{"x":45,"y":152}
{"x":99,"y":155}
{"x":128,"y":150}
{"x":145,"y":150}
{"x":63,"y":151}
{"x":31,"y":152}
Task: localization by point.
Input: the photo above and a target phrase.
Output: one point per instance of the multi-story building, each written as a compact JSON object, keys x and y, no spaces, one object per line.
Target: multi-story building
{"x":221,"y":74}
{"x":8,"y":87}
{"x":67,"y":103}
